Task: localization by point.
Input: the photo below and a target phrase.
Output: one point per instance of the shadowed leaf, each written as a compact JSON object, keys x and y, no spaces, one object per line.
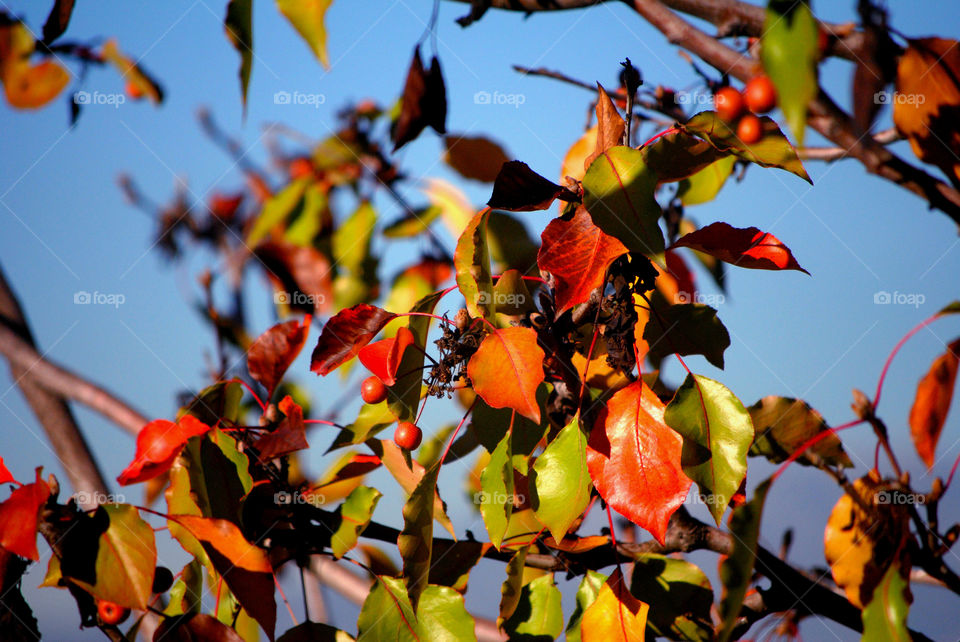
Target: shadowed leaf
{"x":520,"y":189}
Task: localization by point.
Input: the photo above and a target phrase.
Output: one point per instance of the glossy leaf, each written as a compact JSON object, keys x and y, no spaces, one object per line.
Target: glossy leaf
{"x":244,"y":567}
{"x":615,"y":615}
{"x":885,"y":617}
{"x":442,"y":615}
{"x":560,"y":482}
{"x":272,"y":353}
{"x":618,"y":192}
{"x":704,"y":186}
{"x":289,"y":436}
{"x":471,"y":259}
{"x":512,"y":587}
{"x":345,"y":334}
{"x":679,"y":156}
{"x":789,"y":51}
{"x":577,"y":254}
{"x":685,"y":329}
{"x":355,"y":514}
{"x":506,"y":370}
{"x":539,"y":614}
{"x":158,"y":444}
{"x":932,"y":403}
{"x":772,"y":150}
{"x":736,"y":570}
{"x":383,"y":357}
{"x":743,"y":247}
{"x":496,"y":490}
{"x":679,"y":593}
{"x":717,"y":433}
{"x":610,"y":126}
{"x":307,"y":18}
{"x":416,"y":540}
{"x":19,"y":518}
{"x":518,"y":188}
{"x":238,"y":24}
{"x":634,"y":459}
{"x":477,"y":158}
{"x":587,"y":592}
{"x":783,"y":424}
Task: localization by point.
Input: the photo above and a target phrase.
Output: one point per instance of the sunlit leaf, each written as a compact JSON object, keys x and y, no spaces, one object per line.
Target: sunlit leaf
{"x":789,"y":51}
{"x":704,"y":186}
{"x":496,"y":490}
{"x":506,"y":370}
{"x":736,"y":570}
{"x":560,"y":482}
{"x":416,"y":540}
{"x":743,"y":247}
{"x":288,"y":436}
{"x":307,"y":17}
{"x":539,"y":613}
{"x":272,"y":353}
{"x":355,"y":513}
{"x":472,"y":263}
{"x":158,"y":444}
{"x":932,"y":403}
{"x":19,"y":518}
{"x":345,"y":334}
{"x":383,"y":357}
{"x":587,"y":592}
{"x":610,"y":126}
{"x":403,"y":397}
{"x":615,"y":615}
{"x":783,"y":424}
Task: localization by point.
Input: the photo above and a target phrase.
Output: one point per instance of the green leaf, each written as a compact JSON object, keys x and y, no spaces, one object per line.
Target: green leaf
{"x":678,"y":156}
{"x":789,"y":51}
{"x":471,"y":260}
{"x":704,"y":186}
{"x":414,"y":223}
{"x":277,"y":210}
{"x":403,"y":397}
{"x":560,"y":483}
{"x":372,"y":419}
{"x":219,"y":475}
{"x":783,"y":424}
{"x":306,"y":220}
{"x":717,"y":433}
{"x":885,"y":617}
{"x":351,"y":240}
{"x":416,"y":539}
{"x":387,"y":614}
{"x":307,"y":16}
{"x":217,"y":402}
{"x":442,"y":616}
{"x":512,"y":587}
{"x":773,"y":150}
{"x":681,"y":593}
{"x":618,"y":192}
{"x":588,"y":591}
{"x":239,"y":28}
{"x":686,"y":328}
{"x":496,"y":491}
{"x":355,"y":513}
{"x":187,"y":591}
{"x":737,"y":569}
{"x":511,"y":246}
{"x":126,"y":557}
{"x":539,"y":614}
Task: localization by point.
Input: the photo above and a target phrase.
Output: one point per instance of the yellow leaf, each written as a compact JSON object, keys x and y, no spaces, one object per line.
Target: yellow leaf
{"x":616,"y":615}
{"x":456,"y":209}
{"x":307,"y":17}
{"x":27,"y":86}
{"x":576,"y":157}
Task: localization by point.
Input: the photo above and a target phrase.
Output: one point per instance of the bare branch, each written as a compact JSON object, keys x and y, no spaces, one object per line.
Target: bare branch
{"x":830,"y":154}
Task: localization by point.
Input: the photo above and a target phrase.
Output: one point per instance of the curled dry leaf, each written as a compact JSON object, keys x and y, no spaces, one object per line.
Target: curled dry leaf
{"x":424,"y":102}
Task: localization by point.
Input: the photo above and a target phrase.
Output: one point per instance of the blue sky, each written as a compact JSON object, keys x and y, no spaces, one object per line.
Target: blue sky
{"x":65,"y":228}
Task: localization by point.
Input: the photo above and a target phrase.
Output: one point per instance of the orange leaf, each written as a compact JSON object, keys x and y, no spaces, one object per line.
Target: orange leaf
{"x":35,"y":86}
{"x":577,"y":253}
{"x":382,"y":358}
{"x":19,"y":515}
{"x":345,"y":334}
{"x":6,"y":475}
{"x":274,"y":350}
{"x":616,"y":615}
{"x":289,"y":436}
{"x":610,"y":126}
{"x":506,"y":370}
{"x":158,"y":444}
{"x":932,"y":403}
{"x":747,"y":247}
{"x":634,"y":459}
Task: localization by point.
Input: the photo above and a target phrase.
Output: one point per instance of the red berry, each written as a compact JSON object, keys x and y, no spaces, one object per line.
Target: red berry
{"x":300,"y":167}
{"x":728,"y":103}
{"x":372,"y":390}
{"x":407,"y":435}
{"x":750,"y":129}
{"x":111,"y":613}
{"x":760,"y":94}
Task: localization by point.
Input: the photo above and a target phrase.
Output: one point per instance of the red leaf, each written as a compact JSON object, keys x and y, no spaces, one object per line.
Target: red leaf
{"x":302,"y":275}
{"x":520,"y":189}
{"x":382,"y":358}
{"x":634,"y":459}
{"x":18,"y":518}
{"x":6,"y":475}
{"x":344,"y":335}
{"x":932,"y":403}
{"x":274,"y":350}
{"x":747,"y":248}
{"x":158,"y":444}
{"x":677,"y":267}
{"x":577,"y":253}
{"x":288,"y":437}
{"x":506,"y":370}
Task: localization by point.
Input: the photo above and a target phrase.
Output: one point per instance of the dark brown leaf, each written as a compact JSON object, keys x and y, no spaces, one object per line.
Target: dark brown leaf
{"x":302,"y":275}
{"x":520,"y":189}
{"x":344,"y":335}
{"x":424,"y":102}
{"x":477,"y":157}
{"x":274,"y":350}
{"x":289,"y":436}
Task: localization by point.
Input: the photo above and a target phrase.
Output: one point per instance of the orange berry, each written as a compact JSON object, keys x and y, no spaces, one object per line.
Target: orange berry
{"x":111,"y":613}
{"x":300,"y":167}
{"x":407,"y":435}
{"x":728,"y":103}
{"x":750,"y":129}
{"x":133,"y":90}
{"x":760,"y":94}
{"x":372,"y":390}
